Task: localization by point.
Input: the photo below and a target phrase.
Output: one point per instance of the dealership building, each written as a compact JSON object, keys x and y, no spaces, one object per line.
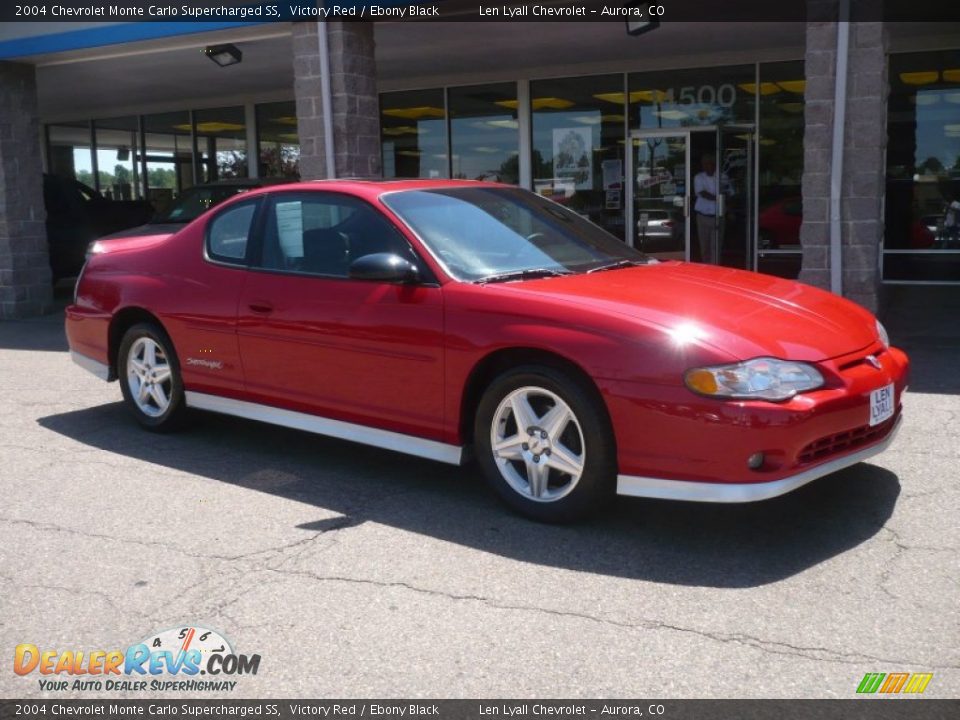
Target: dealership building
{"x":837,"y":144}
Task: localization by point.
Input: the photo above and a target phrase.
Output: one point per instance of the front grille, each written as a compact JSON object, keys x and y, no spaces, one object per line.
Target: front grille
{"x":842,"y":442}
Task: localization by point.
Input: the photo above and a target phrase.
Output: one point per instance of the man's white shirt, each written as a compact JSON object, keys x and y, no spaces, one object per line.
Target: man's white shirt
{"x":701,"y":182}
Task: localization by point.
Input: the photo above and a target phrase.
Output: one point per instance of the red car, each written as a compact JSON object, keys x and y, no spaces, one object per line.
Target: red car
{"x":451,"y":318}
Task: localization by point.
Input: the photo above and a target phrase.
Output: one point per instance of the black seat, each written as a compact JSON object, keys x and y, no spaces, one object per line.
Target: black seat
{"x":325,"y":252}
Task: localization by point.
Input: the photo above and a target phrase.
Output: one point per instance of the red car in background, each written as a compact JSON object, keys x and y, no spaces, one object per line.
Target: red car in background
{"x":779,"y":226}
{"x":449,"y":318}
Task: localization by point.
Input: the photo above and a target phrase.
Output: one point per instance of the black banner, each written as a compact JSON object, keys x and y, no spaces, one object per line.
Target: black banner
{"x":254,"y":11}
{"x":874,"y":708}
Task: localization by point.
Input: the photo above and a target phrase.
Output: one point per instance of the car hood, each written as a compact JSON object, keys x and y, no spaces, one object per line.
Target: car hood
{"x":740,"y":313}
{"x":165,"y":229}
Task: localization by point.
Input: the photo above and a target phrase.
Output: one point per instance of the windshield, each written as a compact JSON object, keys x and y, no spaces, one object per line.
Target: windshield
{"x":195,"y":201}
{"x":483,"y":232}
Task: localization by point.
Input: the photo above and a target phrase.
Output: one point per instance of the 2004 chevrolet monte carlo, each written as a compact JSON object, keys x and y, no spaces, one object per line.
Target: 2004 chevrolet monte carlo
{"x":446,"y":319}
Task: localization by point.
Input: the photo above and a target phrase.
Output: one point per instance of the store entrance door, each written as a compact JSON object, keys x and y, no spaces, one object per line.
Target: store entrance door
{"x":690,"y":194}
{"x":658,"y":174}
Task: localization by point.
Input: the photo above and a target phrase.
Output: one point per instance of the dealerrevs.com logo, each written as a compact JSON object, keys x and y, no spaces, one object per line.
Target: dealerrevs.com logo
{"x":187,"y":658}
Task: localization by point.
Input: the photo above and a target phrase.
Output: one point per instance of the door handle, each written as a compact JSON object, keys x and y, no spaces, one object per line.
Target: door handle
{"x":261,"y":307}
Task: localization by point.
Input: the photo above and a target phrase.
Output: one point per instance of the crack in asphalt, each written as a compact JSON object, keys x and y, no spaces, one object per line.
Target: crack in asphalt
{"x":299,"y":547}
{"x":52,"y":527}
{"x":81,"y":592}
{"x":774,"y":647}
{"x":901,"y":547}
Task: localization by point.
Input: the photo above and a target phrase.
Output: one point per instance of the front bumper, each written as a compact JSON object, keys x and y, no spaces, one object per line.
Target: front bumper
{"x":672,"y":444}
{"x":637,"y":486}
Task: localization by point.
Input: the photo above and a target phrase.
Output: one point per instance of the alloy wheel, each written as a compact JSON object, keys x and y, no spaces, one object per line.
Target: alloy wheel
{"x":149,"y":377}
{"x":537,"y":444}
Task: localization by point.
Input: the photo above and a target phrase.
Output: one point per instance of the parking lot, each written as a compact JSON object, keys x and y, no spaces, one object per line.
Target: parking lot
{"x":355,"y":572}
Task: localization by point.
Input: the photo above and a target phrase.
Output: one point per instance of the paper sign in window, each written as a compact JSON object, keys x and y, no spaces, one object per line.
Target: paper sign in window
{"x":290,"y":228}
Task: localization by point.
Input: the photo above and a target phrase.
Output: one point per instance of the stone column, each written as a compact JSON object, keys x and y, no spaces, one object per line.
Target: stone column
{"x":864,"y":163}
{"x":865,"y":139}
{"x":355,"y":104}
{"x":25,"y":280}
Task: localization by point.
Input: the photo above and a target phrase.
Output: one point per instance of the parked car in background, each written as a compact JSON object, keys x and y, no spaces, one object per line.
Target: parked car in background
{"x":658,"y":231}
{"x":779,"y":225}
{"x":77,"y":215}
{"x":196,"y":200}
{"x":449,"y":319}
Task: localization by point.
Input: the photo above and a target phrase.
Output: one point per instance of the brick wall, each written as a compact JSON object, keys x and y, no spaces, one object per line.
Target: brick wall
{"x":353,"y":87}
{"x":25,"y":287}
{"x":865,"y":138}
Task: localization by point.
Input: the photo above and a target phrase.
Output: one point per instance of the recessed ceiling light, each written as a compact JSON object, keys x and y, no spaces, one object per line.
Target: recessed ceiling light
{"x":924,"y":77}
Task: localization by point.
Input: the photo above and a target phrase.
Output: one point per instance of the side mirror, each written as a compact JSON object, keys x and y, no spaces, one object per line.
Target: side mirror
{"x":384,"y":267}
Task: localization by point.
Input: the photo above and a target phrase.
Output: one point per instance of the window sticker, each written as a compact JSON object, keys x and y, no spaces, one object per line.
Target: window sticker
{"x":290,"y":228}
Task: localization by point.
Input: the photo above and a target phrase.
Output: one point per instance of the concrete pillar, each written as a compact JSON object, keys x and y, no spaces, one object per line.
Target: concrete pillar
{"x":25,"y":281}
{"x":865,"y":139}
{"x":355,"y":104}
{"x":864,"y":163}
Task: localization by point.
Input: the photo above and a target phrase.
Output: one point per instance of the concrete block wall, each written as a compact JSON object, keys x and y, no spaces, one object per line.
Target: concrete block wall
{"x":25,"y":281}
{"x":865,"y":138}
{"x":356,"y":105}
{"x":864,"y":163}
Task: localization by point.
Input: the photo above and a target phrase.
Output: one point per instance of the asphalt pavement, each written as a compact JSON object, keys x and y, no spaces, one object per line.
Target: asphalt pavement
{"x":355,"y":572}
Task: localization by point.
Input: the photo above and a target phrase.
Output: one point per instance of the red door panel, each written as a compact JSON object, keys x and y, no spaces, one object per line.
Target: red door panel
{"x":363,"y":352}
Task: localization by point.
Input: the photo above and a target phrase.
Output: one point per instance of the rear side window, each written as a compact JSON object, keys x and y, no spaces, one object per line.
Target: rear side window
{"x":229,"y":232}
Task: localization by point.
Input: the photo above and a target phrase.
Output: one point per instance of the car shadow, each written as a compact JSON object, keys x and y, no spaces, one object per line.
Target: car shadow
{"x":730,"y":546}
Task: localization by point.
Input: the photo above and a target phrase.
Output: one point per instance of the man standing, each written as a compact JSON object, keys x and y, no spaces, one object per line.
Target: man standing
{"x":705,"y":187}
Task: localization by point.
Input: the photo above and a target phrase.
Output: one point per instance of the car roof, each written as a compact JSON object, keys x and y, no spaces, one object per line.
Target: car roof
{"x":371,"y":189}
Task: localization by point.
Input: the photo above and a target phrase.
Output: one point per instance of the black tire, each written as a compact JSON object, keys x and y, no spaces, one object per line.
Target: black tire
{"x":173,"y":415}
{"x":597,"y":482}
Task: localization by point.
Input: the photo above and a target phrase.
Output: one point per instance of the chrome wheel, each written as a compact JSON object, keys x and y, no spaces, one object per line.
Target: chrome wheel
{"x":149,"y":377}
{"x":537,"y":444}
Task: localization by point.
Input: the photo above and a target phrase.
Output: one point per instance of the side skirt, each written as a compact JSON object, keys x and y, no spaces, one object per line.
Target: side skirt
{"x":398,"y":442}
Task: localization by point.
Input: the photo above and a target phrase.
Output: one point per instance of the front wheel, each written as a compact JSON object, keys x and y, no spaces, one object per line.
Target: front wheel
{"x":545,"y":444}
{"x":150,"y":378}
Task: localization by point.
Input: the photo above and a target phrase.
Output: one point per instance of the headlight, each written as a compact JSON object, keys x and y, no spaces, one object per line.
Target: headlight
{"x":758,"y":379}
{"x":882,"y":332}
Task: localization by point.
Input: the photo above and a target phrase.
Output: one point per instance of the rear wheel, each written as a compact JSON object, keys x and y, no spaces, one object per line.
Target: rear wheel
{"x":545,"y":445}
{"x":150,"y":378}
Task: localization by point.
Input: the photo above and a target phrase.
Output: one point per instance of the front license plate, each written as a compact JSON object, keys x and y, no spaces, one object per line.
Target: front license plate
{"x":881,"y":405}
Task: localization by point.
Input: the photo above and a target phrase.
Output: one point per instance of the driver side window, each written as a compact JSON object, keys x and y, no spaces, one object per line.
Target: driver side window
{"x":323,"y":233}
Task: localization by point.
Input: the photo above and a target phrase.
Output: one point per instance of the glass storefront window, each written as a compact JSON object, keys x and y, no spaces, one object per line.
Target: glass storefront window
{"x":578,"y":146}
{"x":278,"y":144}
{"x":118,"y":154}
{"x":69,"y":153}
{"x":484,"y":136}
{"x":690,"y":98}
{"x":922,"y":234}
{"x":221,"y":143}
{"x":413,"y":132}
{"x":168,"y":157}
{"x":780,"y":210}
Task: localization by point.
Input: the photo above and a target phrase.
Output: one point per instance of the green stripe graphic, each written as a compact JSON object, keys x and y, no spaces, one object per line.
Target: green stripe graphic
{"x":870,"y":683}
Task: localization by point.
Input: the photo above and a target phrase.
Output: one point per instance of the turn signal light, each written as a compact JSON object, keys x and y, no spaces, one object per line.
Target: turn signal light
{"x":702,"y":381}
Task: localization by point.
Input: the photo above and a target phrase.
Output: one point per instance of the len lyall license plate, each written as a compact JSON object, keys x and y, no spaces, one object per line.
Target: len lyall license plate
{"x":881,"y":405}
